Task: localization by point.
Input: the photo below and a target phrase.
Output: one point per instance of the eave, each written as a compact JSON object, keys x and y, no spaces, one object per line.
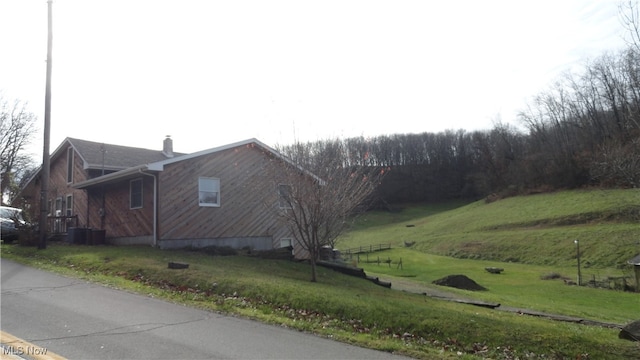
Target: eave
{"x":111,"y":178}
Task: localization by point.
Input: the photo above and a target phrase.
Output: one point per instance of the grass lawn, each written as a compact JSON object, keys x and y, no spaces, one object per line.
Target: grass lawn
{"x":338,"y":306}
{"x":519,"y":285}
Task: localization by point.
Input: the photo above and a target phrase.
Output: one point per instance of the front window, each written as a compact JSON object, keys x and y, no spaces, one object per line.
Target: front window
{"x":209,"y":191}
{"x":58,"y":209}
{"x":135,"y":194}
{"x":284,"y":196}
{"x":69,"y":206}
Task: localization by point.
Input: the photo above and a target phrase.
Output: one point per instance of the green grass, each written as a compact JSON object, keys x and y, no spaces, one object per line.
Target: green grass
{"x":338,"y":306}
{"x":538,"y":229}
{"x":519,"y":286}
{"x":527,"y":236}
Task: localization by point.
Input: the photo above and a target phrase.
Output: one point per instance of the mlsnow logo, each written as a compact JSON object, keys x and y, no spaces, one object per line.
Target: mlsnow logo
{"x":23,"y":350}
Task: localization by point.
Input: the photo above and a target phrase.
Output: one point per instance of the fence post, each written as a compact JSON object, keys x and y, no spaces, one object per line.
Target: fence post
{"x":389,"y":259}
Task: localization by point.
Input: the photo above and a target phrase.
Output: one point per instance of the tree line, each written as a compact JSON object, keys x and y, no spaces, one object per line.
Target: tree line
{"x":582,"y":131}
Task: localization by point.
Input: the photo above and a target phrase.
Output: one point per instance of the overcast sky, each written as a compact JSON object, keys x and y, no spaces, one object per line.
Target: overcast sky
{"x":211,"y":72}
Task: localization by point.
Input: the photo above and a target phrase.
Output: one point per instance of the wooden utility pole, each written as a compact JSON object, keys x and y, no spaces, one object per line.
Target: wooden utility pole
{"x":44,"y":182}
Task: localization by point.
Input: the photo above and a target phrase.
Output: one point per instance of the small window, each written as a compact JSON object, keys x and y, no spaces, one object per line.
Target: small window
{"x":70,"y":165}
{"x":209,"y":191}
{"x":69,"y":206}
{"x":286,"y":242}
{"x":135,"y":194}
{"x":58,"y":209}
{"x":284,"y":196}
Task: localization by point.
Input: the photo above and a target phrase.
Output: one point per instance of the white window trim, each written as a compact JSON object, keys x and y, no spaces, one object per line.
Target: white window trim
{"x":131,"y":207}
{"x":203,"y":204}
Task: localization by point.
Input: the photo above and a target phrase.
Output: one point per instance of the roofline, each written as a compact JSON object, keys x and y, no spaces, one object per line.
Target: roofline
{"x":159,"y":165}
{"x":122,"y":173}
{"x":51,"y":157}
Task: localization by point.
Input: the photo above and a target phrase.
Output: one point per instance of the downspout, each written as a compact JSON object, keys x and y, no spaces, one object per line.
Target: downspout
{"x":155,"y":207}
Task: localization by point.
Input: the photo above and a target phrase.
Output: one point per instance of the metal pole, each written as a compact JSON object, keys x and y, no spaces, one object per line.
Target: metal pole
{"x":578,"y":255}
{"x":44,"y":182}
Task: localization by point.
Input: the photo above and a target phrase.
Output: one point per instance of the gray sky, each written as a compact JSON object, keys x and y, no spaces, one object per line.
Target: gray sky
{"x":214,"y":72}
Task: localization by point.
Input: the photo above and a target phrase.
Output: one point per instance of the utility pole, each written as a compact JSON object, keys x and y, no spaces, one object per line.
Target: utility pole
{"x":44,"y":182}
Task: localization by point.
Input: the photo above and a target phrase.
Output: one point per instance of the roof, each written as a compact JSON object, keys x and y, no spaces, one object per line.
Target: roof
{"x":635,"y":260}
{"x":157,"y":166}
{"x":116,"y":157}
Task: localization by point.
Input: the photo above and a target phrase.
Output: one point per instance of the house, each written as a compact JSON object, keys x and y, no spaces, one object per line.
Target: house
{"x":216,"y":197}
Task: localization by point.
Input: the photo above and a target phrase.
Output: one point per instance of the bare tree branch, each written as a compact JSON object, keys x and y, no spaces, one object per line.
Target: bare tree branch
{"x":17,"y":126}
{"x":317,"y":209}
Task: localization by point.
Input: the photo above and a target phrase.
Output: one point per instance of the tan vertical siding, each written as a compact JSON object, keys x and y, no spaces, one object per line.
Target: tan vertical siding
{"x":59,"y":188}
{"x":245,"y":191}
{"x":119,"y":219}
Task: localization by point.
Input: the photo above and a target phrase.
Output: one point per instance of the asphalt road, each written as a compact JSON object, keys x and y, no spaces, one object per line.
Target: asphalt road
{"x":81,"y":320}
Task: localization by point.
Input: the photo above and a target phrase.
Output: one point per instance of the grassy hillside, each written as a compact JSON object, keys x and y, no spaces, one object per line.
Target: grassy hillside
{"x":537,"y":229}
{"x":338,"y":306}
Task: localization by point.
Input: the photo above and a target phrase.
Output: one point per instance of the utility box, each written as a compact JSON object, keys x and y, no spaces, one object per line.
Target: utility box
{"x":77,"y":235}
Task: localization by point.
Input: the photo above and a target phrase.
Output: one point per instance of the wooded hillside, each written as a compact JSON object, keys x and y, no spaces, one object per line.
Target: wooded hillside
{"x":583,"y":131}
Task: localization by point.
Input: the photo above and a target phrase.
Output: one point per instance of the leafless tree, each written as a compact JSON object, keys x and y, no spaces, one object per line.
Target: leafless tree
{"x":17,"y":127}
{"x":320,"y":193}
{"x":629,"y":14}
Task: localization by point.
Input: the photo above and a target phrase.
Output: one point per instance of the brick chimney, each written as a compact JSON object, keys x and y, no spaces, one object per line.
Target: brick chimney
{"x":167,"y":147}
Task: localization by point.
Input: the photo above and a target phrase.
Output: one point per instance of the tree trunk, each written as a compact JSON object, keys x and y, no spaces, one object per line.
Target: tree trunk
{"x":314,"y":278}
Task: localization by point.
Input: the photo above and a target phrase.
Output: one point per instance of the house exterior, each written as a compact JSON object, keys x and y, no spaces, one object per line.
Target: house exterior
{"x":216,"y":197}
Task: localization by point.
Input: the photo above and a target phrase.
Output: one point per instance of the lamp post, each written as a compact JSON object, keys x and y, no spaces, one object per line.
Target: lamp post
{"x":578,"y":253}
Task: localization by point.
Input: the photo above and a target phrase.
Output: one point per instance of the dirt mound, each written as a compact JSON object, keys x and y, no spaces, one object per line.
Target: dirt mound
{"x":459,"y":282}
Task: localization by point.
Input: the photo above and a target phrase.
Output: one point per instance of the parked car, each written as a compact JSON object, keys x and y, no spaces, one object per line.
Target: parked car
{"x":11,"y":219}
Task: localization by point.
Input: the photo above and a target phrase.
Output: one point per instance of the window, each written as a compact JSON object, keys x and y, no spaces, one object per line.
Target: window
{"x":284,"y":196}
{"x":135,"y":194}
{"x":70,"y":165}
{"x":69,"y":206}
{"x":58,"y":209}
{"x":286,"y":242}
{"x":209,"y":191}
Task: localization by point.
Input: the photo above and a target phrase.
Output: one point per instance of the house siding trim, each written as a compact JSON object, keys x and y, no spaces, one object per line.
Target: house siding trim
{"x":131,"y":240}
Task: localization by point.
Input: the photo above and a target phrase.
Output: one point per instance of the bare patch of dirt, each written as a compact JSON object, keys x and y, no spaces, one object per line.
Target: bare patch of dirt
{"x":459,"y":282}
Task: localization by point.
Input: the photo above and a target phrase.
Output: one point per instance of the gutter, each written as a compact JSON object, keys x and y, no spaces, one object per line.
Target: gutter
{"x":105,"y":179}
